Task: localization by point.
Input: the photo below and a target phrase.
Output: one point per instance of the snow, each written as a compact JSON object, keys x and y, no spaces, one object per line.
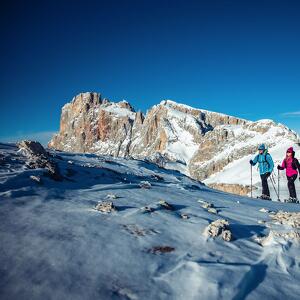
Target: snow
{"x":54,"y":245}
{"x":171,"y":103}
{"x":181,"y":142}
{"x":119,"y":111}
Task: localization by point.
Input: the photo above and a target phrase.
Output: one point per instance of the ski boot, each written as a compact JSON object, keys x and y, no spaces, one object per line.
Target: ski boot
{"x":291,"y":200}
{"x":264,"y":197}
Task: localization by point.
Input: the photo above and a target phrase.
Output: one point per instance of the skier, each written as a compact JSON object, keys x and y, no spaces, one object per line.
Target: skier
{"x":291,"y":164}
{"x":266,"y":166}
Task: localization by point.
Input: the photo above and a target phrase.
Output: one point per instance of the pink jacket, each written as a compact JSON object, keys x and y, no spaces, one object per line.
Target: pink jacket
{"x":287,"y":164}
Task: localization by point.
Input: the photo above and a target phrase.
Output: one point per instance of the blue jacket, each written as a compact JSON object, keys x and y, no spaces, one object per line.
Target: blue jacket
{"x":265,"y":163}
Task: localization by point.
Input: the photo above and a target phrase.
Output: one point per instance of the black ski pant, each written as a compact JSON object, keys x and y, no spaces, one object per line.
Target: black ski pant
{"x":264,"y":183}
{"x":291,"y":185}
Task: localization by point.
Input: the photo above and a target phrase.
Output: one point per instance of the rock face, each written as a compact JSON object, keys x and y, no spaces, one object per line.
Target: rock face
{"x":237,"y":189}
{"x":90,"y":124}
{"x":196,"y":142}
{"x":39,"y":158}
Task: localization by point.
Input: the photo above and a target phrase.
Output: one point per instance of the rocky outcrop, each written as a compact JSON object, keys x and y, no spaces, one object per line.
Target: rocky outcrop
{"x":197,"y":142}
{"x":217,"y":228}
{"x":106,"y":207}
{"x":283,"y":225}
{"x":32,"y":148}
{"x":39,"y":158}
{"x":287,"y":218}
{"x":237,"y":189}
{"x":90,"y":124}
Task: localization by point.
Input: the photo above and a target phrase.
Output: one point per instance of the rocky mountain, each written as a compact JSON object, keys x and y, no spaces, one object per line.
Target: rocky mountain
{"x":202,"y":144}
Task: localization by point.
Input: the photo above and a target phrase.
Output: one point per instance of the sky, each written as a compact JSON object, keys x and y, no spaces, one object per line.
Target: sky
{"x":236,"y":57}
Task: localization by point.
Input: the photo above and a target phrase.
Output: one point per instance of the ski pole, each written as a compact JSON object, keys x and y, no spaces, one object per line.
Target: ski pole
{"x":251,"y":181}
{"x":274,"y":185}
{"x":278,"y":185}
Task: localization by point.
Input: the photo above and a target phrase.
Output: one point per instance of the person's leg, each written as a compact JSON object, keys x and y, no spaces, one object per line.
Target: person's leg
{"x":264,"y":183}
{"x":267,"y":186}
{"x":291,"y":186}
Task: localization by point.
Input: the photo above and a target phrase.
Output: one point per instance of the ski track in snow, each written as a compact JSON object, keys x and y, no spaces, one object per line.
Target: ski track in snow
{"x":54,"y":245}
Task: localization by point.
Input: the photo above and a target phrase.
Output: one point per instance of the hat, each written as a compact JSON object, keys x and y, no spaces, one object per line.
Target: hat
{"x":262,"y":147}
{"x":290,"y":150}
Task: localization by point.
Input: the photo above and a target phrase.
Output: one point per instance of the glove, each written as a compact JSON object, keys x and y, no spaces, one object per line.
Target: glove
{"x":251,"y":162}
{"x":268,"y":174}
{"x":278,"y":167}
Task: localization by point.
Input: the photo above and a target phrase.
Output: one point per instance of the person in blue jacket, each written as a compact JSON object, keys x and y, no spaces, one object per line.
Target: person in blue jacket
{"x":266,"y":166}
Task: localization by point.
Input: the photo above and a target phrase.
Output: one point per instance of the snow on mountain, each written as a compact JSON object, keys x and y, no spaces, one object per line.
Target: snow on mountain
{"x":55,"y":245}
{"x":207,"y":146}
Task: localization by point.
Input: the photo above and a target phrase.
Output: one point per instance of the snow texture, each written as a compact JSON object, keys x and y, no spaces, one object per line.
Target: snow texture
{"x":56,"y":245}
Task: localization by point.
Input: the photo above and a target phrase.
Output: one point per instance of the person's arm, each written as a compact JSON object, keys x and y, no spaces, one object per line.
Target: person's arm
{"x":254,"y":161}
{"x":282,"y":167}
{"x":270,"y":162}
{"x":297,"y":165}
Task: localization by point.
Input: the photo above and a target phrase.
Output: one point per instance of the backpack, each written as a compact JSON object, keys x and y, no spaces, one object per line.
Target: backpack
{"x":265,"y":161}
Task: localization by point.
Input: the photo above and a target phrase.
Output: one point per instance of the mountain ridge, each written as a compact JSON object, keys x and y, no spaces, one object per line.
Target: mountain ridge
{"x":197,"y":142}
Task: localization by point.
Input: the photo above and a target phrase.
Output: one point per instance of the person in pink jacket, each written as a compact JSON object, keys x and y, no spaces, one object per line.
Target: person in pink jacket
{"x":292,"y":166}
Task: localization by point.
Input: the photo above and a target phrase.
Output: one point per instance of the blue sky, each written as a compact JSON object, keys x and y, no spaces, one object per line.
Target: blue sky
{"x":236,"y":57}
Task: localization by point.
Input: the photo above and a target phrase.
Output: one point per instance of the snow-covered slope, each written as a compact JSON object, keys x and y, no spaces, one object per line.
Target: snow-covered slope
{"x":55,"y":245}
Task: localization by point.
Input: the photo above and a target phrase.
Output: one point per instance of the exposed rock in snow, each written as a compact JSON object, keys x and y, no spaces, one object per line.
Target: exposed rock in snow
{"x":145,"y":184}
{"x":138,"y":231}
{"x":287,"y":218}
{"x":274,"y":235}
{"x":184,"y":216}
{"x":208,"y":206}
{"x":158,"y":158}
{"x":106,"y":207}
{"x":219,"y":227}
{"x":39,"y":158}
{"x":290,"y":235}
{"x":212,"y":210}
{"x":285,"y":225}
{"x":157,"y":177}
{"x":166,"y":205}
{"x":261,"y":222}
{"x":161,"y":249}
{"x":148,"y":209}
{"x":265,"y":240}
{"x":264,"y":210}
{"x":227,"y":235}
{"x":205,"y":204}
{"x":36,"y":178}
{"x":32,"y":148}
{"x":111,"y":196}
{"x":238,"y":189}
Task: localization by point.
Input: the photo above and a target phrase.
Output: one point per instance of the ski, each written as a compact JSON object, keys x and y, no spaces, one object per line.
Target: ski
{"x":290,"y":201}
{"x":263,"y":198}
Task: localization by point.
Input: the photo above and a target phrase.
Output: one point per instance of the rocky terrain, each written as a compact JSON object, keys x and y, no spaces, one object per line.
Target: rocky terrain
{"x":199,"y":143}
